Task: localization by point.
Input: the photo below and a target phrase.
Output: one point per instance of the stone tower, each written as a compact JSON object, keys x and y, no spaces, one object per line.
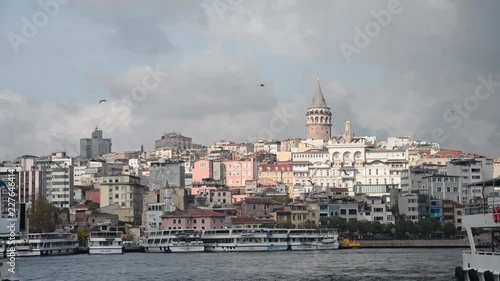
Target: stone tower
{"x":319,"y":118}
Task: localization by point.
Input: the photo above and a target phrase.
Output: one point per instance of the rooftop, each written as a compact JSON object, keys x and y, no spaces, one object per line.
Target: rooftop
{"x":194,"y":213}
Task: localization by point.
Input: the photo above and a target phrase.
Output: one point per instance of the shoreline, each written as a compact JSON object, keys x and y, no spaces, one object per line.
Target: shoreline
{"x":438,"y":243}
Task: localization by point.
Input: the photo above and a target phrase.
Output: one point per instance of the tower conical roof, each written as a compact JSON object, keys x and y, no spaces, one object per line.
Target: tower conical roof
{"x":319,"y":99}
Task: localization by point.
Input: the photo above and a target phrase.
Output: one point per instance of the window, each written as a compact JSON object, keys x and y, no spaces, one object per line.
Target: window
{"x":343,"y":211}
{"x":203,"y":221}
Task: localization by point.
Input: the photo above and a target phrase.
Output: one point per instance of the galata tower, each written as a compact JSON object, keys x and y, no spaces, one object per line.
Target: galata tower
{"x":319,"y":118}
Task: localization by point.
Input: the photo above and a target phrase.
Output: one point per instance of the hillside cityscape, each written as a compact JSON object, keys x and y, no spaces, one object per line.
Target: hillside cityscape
{"x":356,"y":184}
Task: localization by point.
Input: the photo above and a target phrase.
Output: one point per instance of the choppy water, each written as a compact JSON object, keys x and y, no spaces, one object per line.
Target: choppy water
{"x":340,"y":265}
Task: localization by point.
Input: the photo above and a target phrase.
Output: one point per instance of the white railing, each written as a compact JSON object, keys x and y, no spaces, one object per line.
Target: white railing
{"x":484,"y":207}
{"x":488,"y":253}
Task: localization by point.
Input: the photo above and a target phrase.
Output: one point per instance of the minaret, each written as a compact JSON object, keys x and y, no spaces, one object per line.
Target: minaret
{"x":319,"y":118}
{"x":348,"y":134}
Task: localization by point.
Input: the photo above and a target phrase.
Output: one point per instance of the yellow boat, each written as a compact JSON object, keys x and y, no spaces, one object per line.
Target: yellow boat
{"x":347,"y":243}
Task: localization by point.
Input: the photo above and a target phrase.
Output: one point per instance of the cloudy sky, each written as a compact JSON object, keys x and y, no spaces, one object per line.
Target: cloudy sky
{"x":427,"y":69}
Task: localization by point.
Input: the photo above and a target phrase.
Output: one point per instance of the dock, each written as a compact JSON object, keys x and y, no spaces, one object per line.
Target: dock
{"x":439,"y":243}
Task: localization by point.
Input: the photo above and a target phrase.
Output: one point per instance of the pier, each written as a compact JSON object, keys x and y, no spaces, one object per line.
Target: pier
{"x":439,"y":243}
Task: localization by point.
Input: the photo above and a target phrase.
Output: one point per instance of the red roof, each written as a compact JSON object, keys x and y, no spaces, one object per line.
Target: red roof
{"x":80,"y":206}
{"x":195,"y":213}
{"x":250,"y":220}
{"x":265,"y":201}
{"x":449,"y":154}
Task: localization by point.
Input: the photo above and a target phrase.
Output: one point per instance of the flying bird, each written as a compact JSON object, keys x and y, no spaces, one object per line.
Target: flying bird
{"x":262,"y":85}
{"x":102,"y":101}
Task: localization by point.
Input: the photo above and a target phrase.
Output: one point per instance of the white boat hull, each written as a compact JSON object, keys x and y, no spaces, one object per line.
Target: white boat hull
{"x":245,"y":248}
{"x":156,"y":249}
{"x":105,"y":250}
{"x":314,"y":246}
{"x":187,"y":248}
{"x":45,"y":252}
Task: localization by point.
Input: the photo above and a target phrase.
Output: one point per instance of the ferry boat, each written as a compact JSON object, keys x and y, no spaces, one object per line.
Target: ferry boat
{"x":245,"y":240}
{"x":311,"y":239}
{"x":105,"y":242}
{"x":46,"y":244}
{"x":482,"y":216}
{"x":173,"y":241}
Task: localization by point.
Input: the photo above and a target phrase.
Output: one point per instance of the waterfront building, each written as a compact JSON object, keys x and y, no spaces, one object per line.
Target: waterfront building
{"x":376,"y":209}
{"x":57,"y":179}
{"x":194,"y":219}
{"x":258,"y":207}
{"x":408,"y":206}
{"x":303,"y":214}
{"x":436,"y":210}
{"x":470,"y":170}
{"x":94,"y":146}
{"x":102,"y":219}
{"x":250,"y":223}
{"x":444,"y":187}
{"x":125,"y":191}
{"x":345,"y":209}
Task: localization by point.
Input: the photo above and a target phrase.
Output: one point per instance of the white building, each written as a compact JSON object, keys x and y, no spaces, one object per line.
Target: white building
{"x":79,"y":172}
{"x":57,"y":176}
{"x":375,"y":209}
{"x":408,"y":206}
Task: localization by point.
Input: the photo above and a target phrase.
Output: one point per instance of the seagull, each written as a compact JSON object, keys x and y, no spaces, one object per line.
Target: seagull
{"x":102,"y":101}
{"x":262,"y":85}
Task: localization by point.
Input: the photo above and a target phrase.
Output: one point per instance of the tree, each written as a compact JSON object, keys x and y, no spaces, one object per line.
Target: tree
{"x":309,"y":224}
{"x":450,"y":229}
{"x":287,"y":225}
{"x":42,"y":216}
{"x":83,"y":237}
{"x":92,"y":205}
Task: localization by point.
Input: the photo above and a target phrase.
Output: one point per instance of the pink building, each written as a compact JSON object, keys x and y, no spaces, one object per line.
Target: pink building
{"x":237,"y":172}
{"x":93,"y":195}
{"x":194,"y":219}
{"x":202,"y":170}
{"x":232,"y":173}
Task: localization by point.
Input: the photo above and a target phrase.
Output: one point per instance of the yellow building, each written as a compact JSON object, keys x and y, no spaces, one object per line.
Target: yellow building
{"x":301,"y":212}
{"x":280,"y":172}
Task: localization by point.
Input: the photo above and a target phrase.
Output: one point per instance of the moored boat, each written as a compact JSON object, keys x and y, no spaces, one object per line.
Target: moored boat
{"x":482,"y":216}
{"x":173,"y":241}
{"x":245,"y":240}
{"x":310,"y":239}
{"x":105,"y":242}
{"x":46,"y":244}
